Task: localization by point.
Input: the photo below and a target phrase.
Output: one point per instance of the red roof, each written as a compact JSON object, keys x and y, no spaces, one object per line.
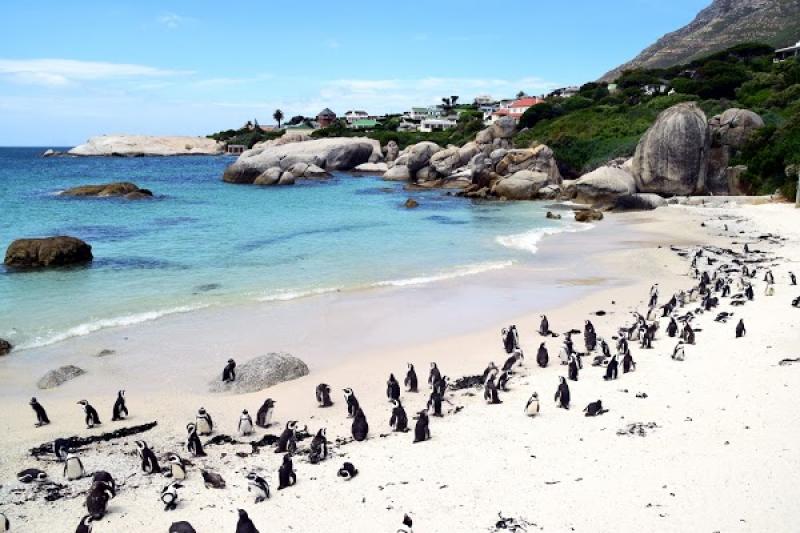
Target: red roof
{"x":526,"y":102}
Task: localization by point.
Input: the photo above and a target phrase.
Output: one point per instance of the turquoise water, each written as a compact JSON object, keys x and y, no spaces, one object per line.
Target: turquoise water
{"x":202,"y":242}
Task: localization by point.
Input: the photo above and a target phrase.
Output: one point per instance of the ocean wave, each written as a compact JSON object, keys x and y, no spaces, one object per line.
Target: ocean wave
{"x":459,"y":272}
{"x":105,"y":323}
{"x":284,"y":295}
{"x":529,"y":240}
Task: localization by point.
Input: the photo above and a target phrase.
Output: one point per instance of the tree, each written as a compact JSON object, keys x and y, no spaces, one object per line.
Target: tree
{"x":521,"y":94}
{"x":278,"y":116}
{"x":453,"y":100}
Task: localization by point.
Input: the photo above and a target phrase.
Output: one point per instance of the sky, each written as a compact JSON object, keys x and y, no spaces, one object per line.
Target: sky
{"x":70,"y":70}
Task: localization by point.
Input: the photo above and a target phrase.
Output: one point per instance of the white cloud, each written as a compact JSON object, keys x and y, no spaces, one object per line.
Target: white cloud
{"x":60,"y":72}
{"x":172,"y":20}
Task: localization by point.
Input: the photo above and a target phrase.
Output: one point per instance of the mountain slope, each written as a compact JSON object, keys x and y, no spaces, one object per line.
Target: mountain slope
{"x":722,"y":24}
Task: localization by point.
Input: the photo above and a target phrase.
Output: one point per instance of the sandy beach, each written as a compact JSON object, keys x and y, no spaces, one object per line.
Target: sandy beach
{"x":715,"y":453}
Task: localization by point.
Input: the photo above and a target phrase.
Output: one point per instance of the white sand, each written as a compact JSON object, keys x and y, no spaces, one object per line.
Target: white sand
{"x":721,"y":458}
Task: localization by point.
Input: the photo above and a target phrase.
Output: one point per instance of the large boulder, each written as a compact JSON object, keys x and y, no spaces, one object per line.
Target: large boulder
{"x":445,"y":161}
{"x":123,"y":188}
{"x":390,"y":151}
{"x":60,"y":375}
{"x":141,"y":145}
{"x":47,"y":252}
{"x":538,"y":159}
{"x":522,"y":185}
{"x":588,"y":215}
{"x":420,"y":154}
{"x":602,"y":186}
{"x":397,"y":173}
{"x":5,"y":347}
{"x":271,"y":176}
{"x":639,"y":202}
{"x":734,"y":127}
{"x":371,"y":168}
{"x":262,"y":372}
{"x":504,"y":128}
{"x":672,"y":155}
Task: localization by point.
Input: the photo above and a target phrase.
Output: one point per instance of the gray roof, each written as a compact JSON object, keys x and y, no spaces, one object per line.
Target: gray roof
{"x":326,"y":112}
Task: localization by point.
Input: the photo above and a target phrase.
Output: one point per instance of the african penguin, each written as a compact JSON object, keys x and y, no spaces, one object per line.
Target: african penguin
{"x":434,"y":376}
{"x":264,"y":415}
{"x":562,"y":393}
{"x":544,"y":327}
{"x":318,"y":450}
{"x":572,"y":372}
{"x":149,"y":461}
{"x":212,"y":480}
{"x":41,"y":414}
{"x":181,"y":527}
{"x":532,"y":407}
{"x":595,"y":409}
{"x":73,"y":467}
{"x":324,"y":395}
{"x":258,"y":486}
{"x":5,"y":525}
{"x":245,"y":424}
{"x":407,"y":524}
{"x":411,"y":379}
{"x":542,"y":357}
{"x":108,"y":479}
{"x":352,"y":402}
{"x":97,"y":499}
{"x":287,"y":442}
{"x":612,"y":370}
{"x":421,"y":431}
{"x":61,"y":448}
{"x":29,"y":475}
{"x":204,"y":423}
{"x":92,"y":418}
{"x":502,"y":381}
{"x":392,"y":388}
{"x":360,"y":427}
{"x":229,"y":372}
{"x":435,"y":403}
{"x":169,"y":496}
{"x":176,"y":467}
{"x":193,"y":443}
{"x":347,"y":471}
{"x":120,"y":410}
{"x":740,"y":331}
{"x":490,"y":390}
{"x":245,"y":525}
{"x":85,"y":525}
{"x":399,"y":420}
{"x":286,"y":475}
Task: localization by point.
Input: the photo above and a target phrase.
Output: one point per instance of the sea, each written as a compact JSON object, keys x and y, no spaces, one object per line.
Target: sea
{"x":201,"y":242}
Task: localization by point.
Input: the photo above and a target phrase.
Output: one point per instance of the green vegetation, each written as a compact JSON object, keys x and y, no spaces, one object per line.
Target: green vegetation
{"x":248,"y":135}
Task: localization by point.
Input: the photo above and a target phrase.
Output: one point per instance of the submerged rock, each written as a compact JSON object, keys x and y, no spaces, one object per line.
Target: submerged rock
{"x":262,"y":372}
{"x":411,"y":203}
{"x":47,"y":252}
{"x":57,"y":377}
{"x":588,"y":215}
{"x":5,"y":347}
{"x":123,"y":188}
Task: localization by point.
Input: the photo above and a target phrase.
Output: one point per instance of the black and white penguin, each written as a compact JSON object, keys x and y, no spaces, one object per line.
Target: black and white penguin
{"x":97,"y":499}
{"x":490,"y":368}
{"x":672,"y":328}
{"x":748,"y":291}
{"x":440,"y":387}
{"x":435,"y":403}
{"x":360,"y":428}
{"x":323,"y":394}
{"x":421,"y":431}
{"x":181,"y":527}
{"x":286,"y":475}
{"x":595,"y":409}
{"x":245,"y":525}
{"x":85,"y":525}
{"x":61,"y":448}
{"x":678,"y":352}
{"x":318,"y":450}
{"x":628,"y":364}
{"x":411,"y":379}
{"x":490,"y":390}
{"x":229,"y":372}
{"x":352,"y":402}
{"x":612,"y":370}
{"x":572,"y":370}
{"x":532,"y":407}
{"x":258,"y":486}
{"x":604,"y":349}
{"x":562,"y":393}
{"x":264,"y":415}
{"x":169,"y":496}
{"x":29,"y":475}
{"x":212,"y":480}
{"x":542,"y":357}
{"x":509,"y":342}
{"x":544,"y":327}
{"x":347,"y":471}
{"x":589,"y":336}
{"x":92,"y":418}
{"x":287,"y":442}
{"x":193,"y":443}
{"x":502,"y":381}
{"x":73,"y":467}
{"x":399,"y":420}
{"x":41,"y":414}
{"x":149,"y":461}
{"x":245,"y":424}
{"x":514,"y":361}
{"x":792,"y":278}
{"x":176,"y":467}
{"x":407,"y":525}
{"x":108,"y":479}
{"x":5,"y":525}
{"x":392,"y":388}
{"x":434,"y":376}
{"x":740,"y":330}
{"x":120,"y":410}
{"x":205,"y":426}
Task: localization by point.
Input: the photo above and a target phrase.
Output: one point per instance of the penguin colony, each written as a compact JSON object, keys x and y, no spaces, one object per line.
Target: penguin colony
{"x":722,"y":276}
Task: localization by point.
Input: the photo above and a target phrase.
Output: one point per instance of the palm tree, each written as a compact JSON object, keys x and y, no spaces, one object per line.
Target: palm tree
{"x":453,"y":100}
{"x":278,"y":116}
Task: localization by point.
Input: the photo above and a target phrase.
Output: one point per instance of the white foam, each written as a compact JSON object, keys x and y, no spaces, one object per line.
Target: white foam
{"x":458,"y":272}
{"x":284,"y":295}
{"x":529,"y":240}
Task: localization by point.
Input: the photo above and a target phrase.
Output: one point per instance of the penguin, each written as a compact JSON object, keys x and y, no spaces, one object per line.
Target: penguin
{"x":544,"y":327}
{"x":563,"y":355}
{"x":245,"y":424}
{"x":502,"y":381}
{"x":407,"y":524}
{"x":193,"y":443}
{"x":73,"y":467}
{"x":181,"y":527}
{"x":318,"y":450}
{"x":229,"y":372}
{"x":748,"y":291}
{"x":245,"y":525}
{"x":352,"y":402}
{"x":286,"y":475}
{"x":258,"y":486}
{"x":347,"y":471}
{"x":41,"y":414}
{"x":4,"y":523}
{"x":612,"y":370}
{"x":264,"y":415}
{"x":85,"y":525}
{"x":92,"y":418}
{"x":572,"y":372}
{"x":490,"y":390}
{"x":562,"y":393}
{"x":435,"y":403}
{"x":411,"y":379}
{"x":360,"y":427}
{"x":604,"y":349}
{"x":212,"y":480}
{"x":421,"y":431}
{"x":595,"y":409}
{"x":108,"y":479}
{"x":434,"y":376}
{"x":61,"y":448}
{"x":169,"y":496}
{"x":491,"y":367}
{"x":149,"y":461}
{"x":120,"y":410}
{"x":589,"y":336}
{"x":792,"y":278}
{"x":29,"y":475}
{"x":205,"y":426}
{"x":287,"y":442}
{"x":176,"y":467}
{"x":542,"y":357}
{"x":740,"y":331}
{"x":441,"y":386}
{"x":628,"y":364}
{"x":399,"y":420}
{"x":672,"y":328}
{"x":532,"y":407}
{"x":678,"y":352}
{"x":323,"y":394}
{"x":508,"y":340}
{"x":97,"y":499}
{"x":514,"y":360}
{"x":392,"y":388}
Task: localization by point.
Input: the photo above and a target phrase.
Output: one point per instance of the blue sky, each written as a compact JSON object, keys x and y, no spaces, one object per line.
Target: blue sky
{"x":69,"y":70}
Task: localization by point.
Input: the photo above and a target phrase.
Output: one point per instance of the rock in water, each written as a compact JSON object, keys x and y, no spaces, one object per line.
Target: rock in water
{"x":262,"y":372}
{"x":47,"y":252}
{"x":411,"y":203}
{"x":521,"y":185}
{"x":5,"y":347}
{"x":141,"y":145}
{"x":123,"y":188}
{"x":672,"y":156}
{"x":60,"y":375}
{"x":588,"y":215}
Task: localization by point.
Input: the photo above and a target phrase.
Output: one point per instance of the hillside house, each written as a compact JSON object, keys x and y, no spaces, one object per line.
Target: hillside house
{"x":326,"y":117}
{"x":782,"y":54}
{"x":436,"y":124}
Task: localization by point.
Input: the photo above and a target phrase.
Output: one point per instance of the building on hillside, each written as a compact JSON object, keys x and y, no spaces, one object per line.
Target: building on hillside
{"x":364,"y":124}
{"x":566,"y":92}
{"x":782,"y":54}
{"x":515,"y":109}
{"x":235,"y":149}
{"x":326,"y":117}
{"x":483,"y":99}
{"x":405,"y":125}
{"x":352,"y":116}
{"x":436,"y":124}
{"x":417,"y":113}
{"x":655,"y":89}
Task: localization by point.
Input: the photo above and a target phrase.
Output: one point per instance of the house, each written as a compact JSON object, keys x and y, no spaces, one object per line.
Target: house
{"x":566,"y":92}
{"x":654,"y":89}
{"x":326,"y":117}
{"x":352,"y":116}
{"x":782,"y":54}
{"x":364,"y":124}
{"x":436,"y":124}
{"x":235,"y":149}
{"x":483,"y":100}
{"x":515,"y":108}
{"x":407,"y":126}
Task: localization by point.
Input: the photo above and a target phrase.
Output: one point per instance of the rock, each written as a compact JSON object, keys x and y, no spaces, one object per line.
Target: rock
{"x":411,"y":203}
{"x":639,"y":202}
{"x":503,"y":128}
{"x":426,"y":173}
{"x":420,"y":154}
{"x":537,"y":159}
{"x":397,"y":173}
{"x":734,"y":127}
{"x":105,"y":352}
{"x":553,"y":216}
{"x":122,"y":188}
{"x":672,"y":155}
{"x":313,"y":171}
{"x":602,"y":186}
{"x":372,"y":168}
{"x":262,"y":372}
{"x":298,"y":169}
{"x":390,"y":151}
{"x":569,"y":189}
{"x":736,"y":185}
{"x":549,"y":192}
{"x":287,"y":178}
{"x":47,"y":252}
{"x":57,"y":377}
{"x":467,"y":152}
{"x":588,"y":215}
{"x":139,"y":145}
{"x":5,"y":347}
{"x":271,"y":176}
{"x":445,"y":161}
{"x":522,"y":185}
{"x":50,"y":153}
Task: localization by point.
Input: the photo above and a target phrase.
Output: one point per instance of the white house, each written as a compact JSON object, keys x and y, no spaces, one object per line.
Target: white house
{"x":352,"y":116}
{"x":436,"y":124}
{"x":782,"y":54}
